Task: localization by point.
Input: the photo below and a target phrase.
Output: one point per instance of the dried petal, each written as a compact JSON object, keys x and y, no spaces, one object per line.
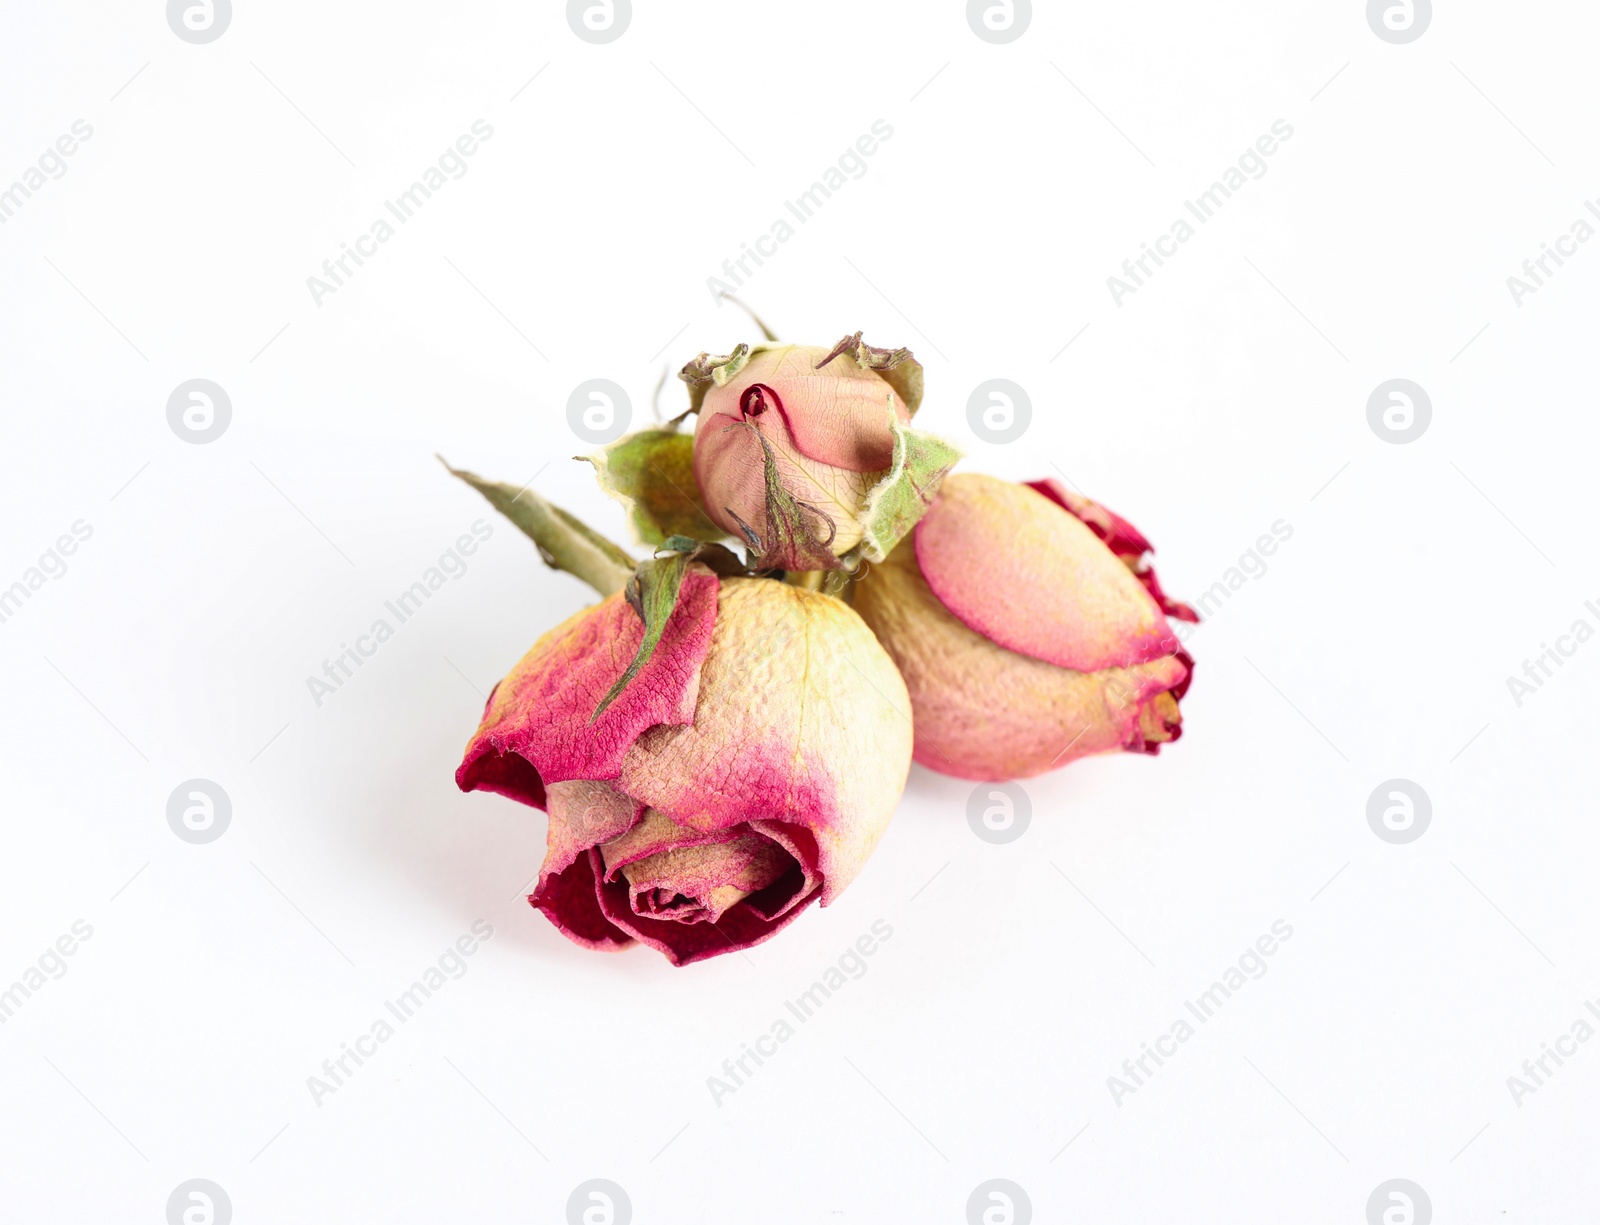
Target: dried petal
{"x":1016,"y":569}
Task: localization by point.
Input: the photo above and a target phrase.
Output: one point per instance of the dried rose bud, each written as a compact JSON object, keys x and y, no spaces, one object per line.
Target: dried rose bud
{"x":745,"y":770}
{"x":805,"y":453}
{"x":1029,"y":630}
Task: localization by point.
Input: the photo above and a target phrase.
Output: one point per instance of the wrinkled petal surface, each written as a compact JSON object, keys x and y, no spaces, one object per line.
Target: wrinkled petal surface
{"x":837,"y":414}
{"x":752,"y":920}
{"x":615,"y":872}
{"x":1021,"y":571}
{"x":988,"y":713}
{"x":698,"y":883}
{"x":830,"y":436}
{"x":730,"y":457}
{"x":802,"y":719}
{"x":721,"y":822}
{"x":536,"y":728}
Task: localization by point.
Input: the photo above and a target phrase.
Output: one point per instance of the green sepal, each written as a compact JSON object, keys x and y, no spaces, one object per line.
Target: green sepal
{"x":708,"y":370}
{"x":651,"y":472}
{"x":921,"y":462}
{"x":653,"y":593}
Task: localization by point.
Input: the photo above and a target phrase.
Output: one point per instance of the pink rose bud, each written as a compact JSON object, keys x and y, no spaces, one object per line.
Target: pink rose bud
{"x":803,"y":453}
{"x":1029,"y":630}
{"x":746,"y":771}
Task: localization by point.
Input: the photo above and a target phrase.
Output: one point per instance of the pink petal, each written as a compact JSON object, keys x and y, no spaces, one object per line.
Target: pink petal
{"x":655,"y":832}
{"x":1015,"y":568}
{"x":537,"y":728}
{"x":801,"y":843}
{"x":744,"y":925}
{"x":838,"y":415}
{"x":700,"y":881}
{"x":583,"y":814}
{"x":802,"y":719}
{"x":1121,"y":537}
{"x":730,"y":468}
{"x":568,"y":900}
{"x":984,"y":712}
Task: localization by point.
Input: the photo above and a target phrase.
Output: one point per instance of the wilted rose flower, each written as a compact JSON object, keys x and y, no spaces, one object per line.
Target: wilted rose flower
{"x":795,"y":446}
{"x":1029,"y":630}
{"x":746,"y":771}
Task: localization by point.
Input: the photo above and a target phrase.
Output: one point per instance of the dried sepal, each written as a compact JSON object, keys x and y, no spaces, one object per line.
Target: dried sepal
{"x":790,"y":542}
{"x":652,"y":592}
{"x":708,"y":370}
{"x":903,"y":495}
{"x":651,"y":472}
{"x":718,"y":558}
{"x":897,"y":367}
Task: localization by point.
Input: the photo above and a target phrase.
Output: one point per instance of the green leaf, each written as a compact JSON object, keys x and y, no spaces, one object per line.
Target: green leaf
{"x":652,"y":474}
{"x":921,"y":462}
{"x":564,"y":541}
{"x":653,"y":593}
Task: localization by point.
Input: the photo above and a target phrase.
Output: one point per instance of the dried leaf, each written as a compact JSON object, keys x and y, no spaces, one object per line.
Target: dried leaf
{"x":563,"y":540}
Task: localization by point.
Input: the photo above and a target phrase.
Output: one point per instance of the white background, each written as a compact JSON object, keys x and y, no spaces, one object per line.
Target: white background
{"x":1228,"y":393}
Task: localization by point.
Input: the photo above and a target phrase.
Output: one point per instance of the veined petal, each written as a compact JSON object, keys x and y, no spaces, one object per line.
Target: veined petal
{"x":836,"y":414}
{"x":654,"y":834}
